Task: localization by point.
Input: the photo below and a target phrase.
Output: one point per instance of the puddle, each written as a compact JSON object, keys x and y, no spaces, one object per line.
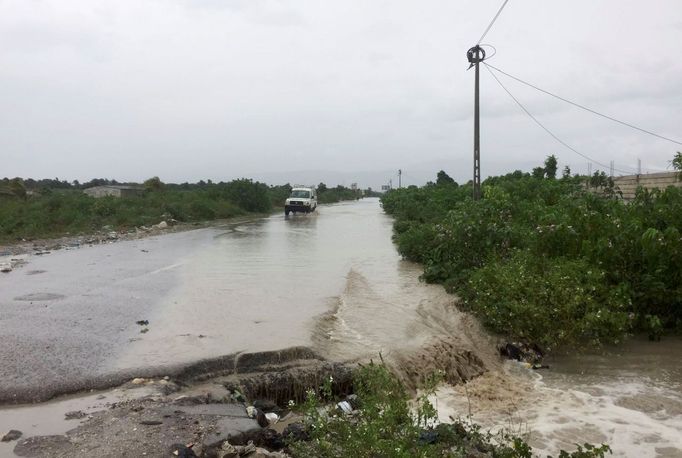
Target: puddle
{"x":48,"y":418}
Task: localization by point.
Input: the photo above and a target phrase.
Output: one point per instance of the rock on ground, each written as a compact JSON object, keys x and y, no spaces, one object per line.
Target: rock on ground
{"x":11,"y":436}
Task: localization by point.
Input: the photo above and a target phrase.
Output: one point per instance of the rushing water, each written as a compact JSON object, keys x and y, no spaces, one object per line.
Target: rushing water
{"x":334,"y":282}
{"x":629,"y":397}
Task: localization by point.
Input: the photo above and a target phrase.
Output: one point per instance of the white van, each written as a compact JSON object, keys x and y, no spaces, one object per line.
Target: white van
{"x":301,"y":200}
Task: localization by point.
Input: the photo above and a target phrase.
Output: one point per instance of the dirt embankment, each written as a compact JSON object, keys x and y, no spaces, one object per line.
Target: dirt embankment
{"x":204,"y":405}
{"x":201,"y":406}
{"x":109,"y":235}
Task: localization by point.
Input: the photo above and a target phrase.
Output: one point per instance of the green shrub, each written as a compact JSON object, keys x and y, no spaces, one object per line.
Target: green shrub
{"x":636,"y":247}
{"x":550,"y":301}
{"x":389,"y":424}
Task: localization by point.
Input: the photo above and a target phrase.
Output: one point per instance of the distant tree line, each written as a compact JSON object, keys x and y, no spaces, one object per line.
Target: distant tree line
{"x":51,"y":207}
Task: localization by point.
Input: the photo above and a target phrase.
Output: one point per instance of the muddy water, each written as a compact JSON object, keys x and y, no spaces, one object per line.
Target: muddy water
{"x":629,"y":397}
{"x":49,"y":419}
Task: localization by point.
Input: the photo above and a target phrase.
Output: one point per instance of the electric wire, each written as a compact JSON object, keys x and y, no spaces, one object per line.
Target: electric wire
{"x":549,"y":131}
{"x":582,"y":106}
{"x":492,"y":22}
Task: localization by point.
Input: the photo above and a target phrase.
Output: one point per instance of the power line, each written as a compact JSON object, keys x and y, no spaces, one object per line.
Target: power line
{"x":582,"y":106}
{"x":546,"y":129}
{"x":492,"y":22}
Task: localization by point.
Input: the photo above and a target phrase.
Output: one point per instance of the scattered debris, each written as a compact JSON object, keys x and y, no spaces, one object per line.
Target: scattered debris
{"x":12,"y":435}
{"x":11,"y":264}
{"x":296,"y":432}
{"x":261,"y":419}
{"x":182,"y":451}
{"x":272,"y":418}
{"x":345,"y":407}
{"x":528,"y":353}
{"x":151,"y":422}
{"x":143,"y":331}
{"x":35,"y":272}
{"x":142,"y":322}
{"x":75,"y":415}
{"x":228,"y":451}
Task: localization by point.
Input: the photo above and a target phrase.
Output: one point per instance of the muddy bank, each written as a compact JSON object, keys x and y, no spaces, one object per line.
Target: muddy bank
{"x":201,"y":418}
{"x":200,"y":404}
{"x":205,"y":369}
{"x":205,"y":404}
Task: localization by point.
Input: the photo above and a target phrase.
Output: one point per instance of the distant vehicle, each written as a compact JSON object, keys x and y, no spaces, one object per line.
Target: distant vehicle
{"x":302,"y":200}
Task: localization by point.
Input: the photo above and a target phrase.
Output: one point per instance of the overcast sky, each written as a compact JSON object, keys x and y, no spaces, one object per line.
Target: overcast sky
{"x":210,"y":89}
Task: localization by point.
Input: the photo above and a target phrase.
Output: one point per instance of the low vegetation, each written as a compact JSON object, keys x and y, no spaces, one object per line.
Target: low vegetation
{"x":50,"y":208}
{"x":327,"y":195}
{"x":389,"y":424}
{"x":547,"y":260}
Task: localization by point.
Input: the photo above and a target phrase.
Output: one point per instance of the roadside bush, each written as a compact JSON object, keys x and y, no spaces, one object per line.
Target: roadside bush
{"x":635,"y":247}
{"x":327,"y":195}
{"x":248,"y":195}
{"x":200,"y":210}
{"x":550,"y":301}
{"x":60,"y":208}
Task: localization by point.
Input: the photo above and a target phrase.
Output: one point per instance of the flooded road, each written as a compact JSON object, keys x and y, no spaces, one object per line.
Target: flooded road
{"x":331,"y":281}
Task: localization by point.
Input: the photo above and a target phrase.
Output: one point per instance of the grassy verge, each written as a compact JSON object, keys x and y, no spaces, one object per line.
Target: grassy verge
{"x":545,"y":261}
{"x":57,"y":211}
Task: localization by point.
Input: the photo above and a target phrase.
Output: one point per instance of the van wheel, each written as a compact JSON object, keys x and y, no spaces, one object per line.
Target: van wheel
{"x":286,"y":212}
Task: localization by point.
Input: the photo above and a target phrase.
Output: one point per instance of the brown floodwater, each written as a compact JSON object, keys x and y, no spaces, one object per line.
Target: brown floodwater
{"x":628,"y":396}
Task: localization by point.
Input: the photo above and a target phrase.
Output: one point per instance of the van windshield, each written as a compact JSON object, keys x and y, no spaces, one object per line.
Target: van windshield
{"x":300,"y":193}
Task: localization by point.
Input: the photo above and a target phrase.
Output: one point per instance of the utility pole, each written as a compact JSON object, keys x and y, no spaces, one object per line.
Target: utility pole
{"x":475,"y":56}
{"x":400,"y":178}
{"x":639,"y":166}
{"x":390,"y":183}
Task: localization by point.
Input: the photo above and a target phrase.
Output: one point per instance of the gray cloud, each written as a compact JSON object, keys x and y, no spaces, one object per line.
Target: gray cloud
{"x":200,"y":89}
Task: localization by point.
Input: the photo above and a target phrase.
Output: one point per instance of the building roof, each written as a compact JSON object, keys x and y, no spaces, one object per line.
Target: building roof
{"x":116,"y":186}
